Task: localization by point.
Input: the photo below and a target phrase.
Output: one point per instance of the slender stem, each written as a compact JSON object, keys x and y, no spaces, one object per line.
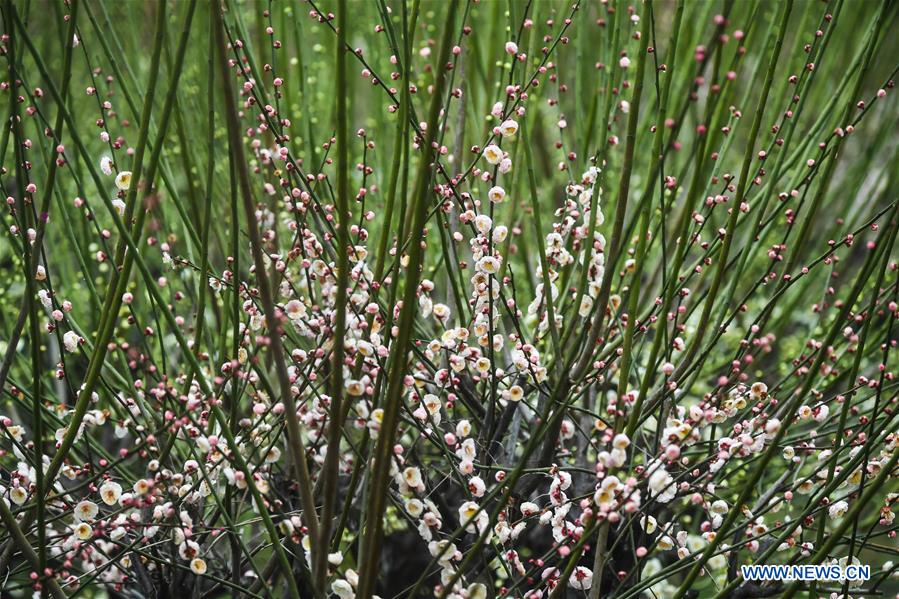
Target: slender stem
{"x":368,"y":571}
{"x":273,"y":319}
{"x":335,"y":422}
{"x":616,"y":243}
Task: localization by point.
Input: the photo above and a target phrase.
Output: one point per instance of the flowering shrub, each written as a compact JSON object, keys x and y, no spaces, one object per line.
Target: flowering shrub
{"x":458,"y":299}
